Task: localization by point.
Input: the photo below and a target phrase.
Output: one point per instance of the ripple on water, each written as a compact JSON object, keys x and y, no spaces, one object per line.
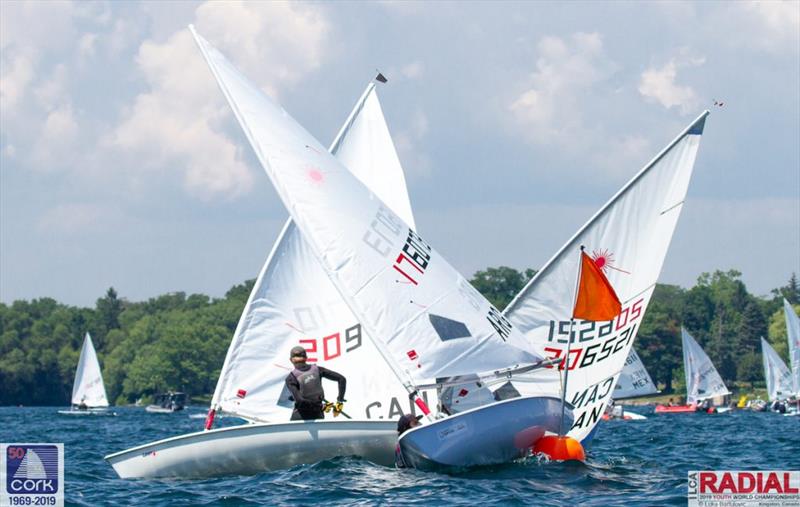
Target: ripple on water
{"x":629,"y":463}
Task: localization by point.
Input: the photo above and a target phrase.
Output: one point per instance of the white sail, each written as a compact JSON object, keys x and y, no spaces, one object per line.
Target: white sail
{"x":702,"y":379}
{"x":634,"y":380}
{"x":426,"y":319}
{"x":777,"y":375}
{"x":88,"y":387}
{"x":294,"y":303}
{"x":793,"y":335}
{"x":628,"y":238}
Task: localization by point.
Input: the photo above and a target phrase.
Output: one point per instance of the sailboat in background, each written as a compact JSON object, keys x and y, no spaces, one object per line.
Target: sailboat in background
{"x":793,"y":336}
{"x":628,"y":239}
{"x":425,"y":319}
{"x":776,"y":374}
{"x":634,"y":382}
{"x":294,"y":303}
{"x":88,"y":390}
{"x":703,"y":381}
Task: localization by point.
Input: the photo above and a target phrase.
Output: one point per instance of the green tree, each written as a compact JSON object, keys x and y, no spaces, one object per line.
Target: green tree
{"x":749,"y":368}
{"x":790,"y":291}
{"x":109,"y":309}
{"x":500,"y":285}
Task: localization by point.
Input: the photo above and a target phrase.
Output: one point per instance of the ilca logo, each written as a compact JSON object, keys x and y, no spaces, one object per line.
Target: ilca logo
{"x":34,"y":470}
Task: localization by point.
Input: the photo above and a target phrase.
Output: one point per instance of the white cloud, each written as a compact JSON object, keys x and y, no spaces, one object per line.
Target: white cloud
{"x":53,"y":91}
{"x":14,"y":81}
{"x":36,"y":26}
{"x":659,"y":84}
{"x":55,"y":144}
{"x":777,"y":22}
{"x":566,"y":70}
{"x":178,"y":121}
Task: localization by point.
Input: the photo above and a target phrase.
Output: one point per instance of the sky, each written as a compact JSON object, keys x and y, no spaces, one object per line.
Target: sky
{"x":121,"y":164}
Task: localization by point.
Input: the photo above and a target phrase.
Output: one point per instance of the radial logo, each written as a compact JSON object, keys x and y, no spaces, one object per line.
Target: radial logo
{"x":777,"y":487}
{"x":33,"y":470}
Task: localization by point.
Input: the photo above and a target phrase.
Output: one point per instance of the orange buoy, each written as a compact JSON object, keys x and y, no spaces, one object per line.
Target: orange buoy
{"x":560,"y":448}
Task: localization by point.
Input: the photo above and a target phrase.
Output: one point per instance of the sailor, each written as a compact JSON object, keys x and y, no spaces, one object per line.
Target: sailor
{"x":82,"y":405}
{"x":405,"y":423}
{"x":305,"y":384}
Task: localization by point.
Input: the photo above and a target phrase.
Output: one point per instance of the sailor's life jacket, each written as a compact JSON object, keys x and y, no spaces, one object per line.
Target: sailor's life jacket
{"x":310,"y":383}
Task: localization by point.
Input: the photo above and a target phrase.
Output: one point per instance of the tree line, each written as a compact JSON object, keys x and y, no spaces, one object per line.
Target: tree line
{"x":178,"y":342}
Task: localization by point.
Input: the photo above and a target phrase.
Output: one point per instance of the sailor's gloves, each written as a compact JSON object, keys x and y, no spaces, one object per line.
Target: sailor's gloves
{"x":337,"y":408}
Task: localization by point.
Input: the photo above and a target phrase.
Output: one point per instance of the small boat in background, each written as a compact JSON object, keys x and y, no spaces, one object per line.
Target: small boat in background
{"x":634,"y":382}
{"x":777,"y":375}
{"x":88,"y":390}
{"x":703,"y":381}
{"x":168,"y":403}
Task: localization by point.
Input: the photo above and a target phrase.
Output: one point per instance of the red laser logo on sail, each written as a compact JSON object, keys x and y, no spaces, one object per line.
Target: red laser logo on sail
{"x":604,"y":260}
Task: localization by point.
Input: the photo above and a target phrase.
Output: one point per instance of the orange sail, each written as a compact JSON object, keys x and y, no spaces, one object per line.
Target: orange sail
{"x":596,"y":299}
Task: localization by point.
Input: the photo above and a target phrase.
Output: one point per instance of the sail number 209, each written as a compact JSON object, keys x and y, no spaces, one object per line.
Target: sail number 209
{"x":330,"y":347}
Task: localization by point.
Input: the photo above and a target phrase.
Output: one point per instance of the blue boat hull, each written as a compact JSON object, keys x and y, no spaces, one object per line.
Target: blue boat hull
{"x":487,"y":435}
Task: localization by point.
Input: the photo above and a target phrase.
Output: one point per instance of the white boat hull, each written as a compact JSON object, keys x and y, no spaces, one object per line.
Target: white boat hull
{"x":488,"y":435}
{"x":155,"y":409}
{"x":253,"y":448}
{"x":89,"y":411}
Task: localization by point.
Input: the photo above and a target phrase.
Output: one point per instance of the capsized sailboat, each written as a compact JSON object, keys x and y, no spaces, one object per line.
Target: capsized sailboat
{"x":628,"y":239}
{"x":634,"y":382}
{"x":703,"y":381}
{"x":88,"y":390}
{"x":425,"y":319}
{"x":294,"y":303}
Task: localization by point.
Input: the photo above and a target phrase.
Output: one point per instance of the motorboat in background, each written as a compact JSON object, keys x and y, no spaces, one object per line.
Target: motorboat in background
{"x":167,"y":403}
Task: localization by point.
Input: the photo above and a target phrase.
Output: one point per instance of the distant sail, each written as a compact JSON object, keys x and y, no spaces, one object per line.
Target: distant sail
{"x":628,"y":239}
{"x":426,"y":318}
{"x":702,"y":379}
{"x":88,"y":387}
{"x":294,"y":303}
{"x":777,"y":375}
{"x":793,"y":335}
{"x":634,"y":380}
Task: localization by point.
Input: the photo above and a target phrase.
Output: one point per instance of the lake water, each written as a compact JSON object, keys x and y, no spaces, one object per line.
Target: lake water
{"x":629,"y":463}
